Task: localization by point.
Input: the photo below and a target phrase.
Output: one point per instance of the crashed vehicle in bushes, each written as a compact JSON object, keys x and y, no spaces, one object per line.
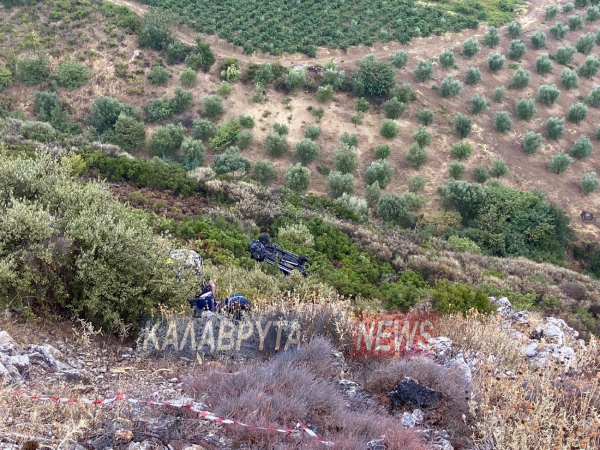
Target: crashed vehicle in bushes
{"x":262,"y":249}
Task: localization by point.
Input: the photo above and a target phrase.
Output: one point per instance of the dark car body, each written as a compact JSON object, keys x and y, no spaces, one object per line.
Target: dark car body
{"x":263,"y":250}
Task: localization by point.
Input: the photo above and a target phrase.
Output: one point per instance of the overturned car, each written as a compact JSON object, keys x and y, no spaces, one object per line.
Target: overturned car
{"x":263,"y":250}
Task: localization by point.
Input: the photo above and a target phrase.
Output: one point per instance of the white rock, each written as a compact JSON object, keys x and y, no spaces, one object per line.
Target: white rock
{"x":408,"y":420}
{"x":458,"y":363}
{"x":6,"y":338}
{"x":554,"y":335}
{"x":20,"y":362}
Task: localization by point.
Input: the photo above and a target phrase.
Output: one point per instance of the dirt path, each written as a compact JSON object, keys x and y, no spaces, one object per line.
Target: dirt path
{"x":423,"y":48}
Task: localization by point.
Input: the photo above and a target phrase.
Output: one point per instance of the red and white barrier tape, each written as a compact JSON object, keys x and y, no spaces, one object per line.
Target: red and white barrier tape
{"x":204,"y":414}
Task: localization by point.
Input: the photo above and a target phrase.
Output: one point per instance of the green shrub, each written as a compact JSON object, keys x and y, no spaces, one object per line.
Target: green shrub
{"x":403,"y":92}
{"x":105,"y":111}
{"x":589,"y":183}
{"x":159,"y":75}
{"x":593,"y":98}
{"x":264,"y":172}
{"x":202,"y":129}
{"x":558,"y":31}
{"x":33,"y":71}
{"x":325,"y":93}
{"x":72,"y":75}
{"x":496,"y":62}
{"x":462,"y":125}
{"x":157,"y":29}
{"x":373,"y":78}
{"x":225,"y":135}
{"x":564,"y":55}
{"x":49,"y":108}
{"x":538,"y":40}
{"x":560,"y":162}
{"x":567,"y":7}
{"x":357,"y":118}
{"x":460,"y":297}
{"x":392,"y":208}
{"x":188,"y":77}
{"x":543,"y":64}
{"x":382,"y":151}
{"x":166,"y":141}
{"x":225,"y":89}
{"x":592,"y":14}
{"x":340,"y":183}
{"x":516,"y":50}
{"x":473,"y":76}
{"x":463,"y":244}
{"x":551,"y":12}
{"x":372,"y":194}
{"x":229,"y":70}
{"x":456,"y":170}
{"x":344,"y":159}
{"x":38,"y":131}
{"x":264,"y":75}
{"x":362,"y":105}
{"x":503,"y":121}
{"x":491,"y":37}
{"x":230,"y":161}
{"x":297,"y":178}
{"x":416,"y":156}
{"x":6,"y":78}
{"x":425,"y":117}
{"x":389,"y":128}
{"x":424,"y":71}
{"x":548,"y":94}
{"x":499,"y":94}
{"x":421,"y":136}
{"x":470,"y":47}
{"x":478,"y":104}
{"x":312,"y":132}
{"x":498,"y":168}
{"x":159,"y":109}
{"x":525,"y":108}
{"x":394,"y":108}
{"x":275,"y":145}
{"x":246,"y":121}
{"x":514,"y":29}
{"x":555,"y":127}
{"x":589,"y":68}
{"x":121,"y":16}
{"x":212,"y":107}
{"x":582,"y":148}
{"x":306,"y":151}
{"x":461,"y":150}
{"x":201,"y":58}
{"x":450,"y":87}
{"x":585,"y":43}
{"x":569,"y":79}
{"x":177,"y":51}
{"x":350,"y":139}
{"x":243,"y":139}
{"x":399,"y":59}
{"x":181,"y":101}
{"x":379,"y":171}
{"x":416,"y":183}
{"x":520,"y":79}
{"x":480,"y":174}
{"x":577,"y":113}
{"x":447,"y":59}
{"x":193,"y":153}
{"x":575,"y":22}
{"x":531,"y":142}
{"x":281,"y":128}
{"x":130,"y":134}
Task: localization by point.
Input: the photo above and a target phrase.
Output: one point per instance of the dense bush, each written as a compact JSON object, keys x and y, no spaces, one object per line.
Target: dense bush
{"x":589,"y":183}
{"x":592,"y":14}
{"x":516,"y":50}
{"x":558,"y":31}
{"x":498,"y":168}
{"x":589,"y":68}
{"x":447,"y":59}
{"x":555,"y":127}
{"x":372,"y":194}
{"x":166,"y":141}
{"x":159,"y":75}
{"x":297,"y":178}
{"x":306,"y":151}
{"x":551,"y":12}
{"x":264,"y":172}
{"x":503,"y":121}
{"x":201,"y":58}
{"x":225,"y":135}
{"x":275,"y":145}
{"x":339,"y":183}
{"x":450,"y":87}
{"x":531,"y":142}
{"x":344,"y":159}
{"x":538,"y":40}
{"x":105,"y":111}
{"x":467,"y":198}
{"x":382,"y":151}
{"x":121,"y":16}
{"x":575,"y":22}
{"x":567,"y":7}
{"x":593,"y":98}
{"x":577,"y":113}
{"x":188,"y":77}
{"x":569,"y":79}
{"x":389,"y":128}
{"x":130,"y":134}
{"x":473,"y":76}
{"x":491,"y":37}
{"x":421,"y":136}
{"x":543,"y":64}
{"x":480,"y":174}
{"x":564,"y":55}
{"x":525,"y":108}
{"x":72,"y":75}
{"x":399,"y":58}
{"x":379,"y":171}
{"x":548,"y":94}
{"x":462,"y":125}
{"x":416,"y":183}
{"x":38,"y":131}
{"x":312,"y":132}
{"x":225,"y":89}
{"x":470,"y":47}
{"x":424,"y":71}
{"x":582,"y":148}
{"x":281,"y":129}
{"x":325,"y":93}
{"x":560,"y":162}
{"x":478,"y":104}
{"x":416,"y":156}
{"x":246,"y":121}
{"x":455,"y":298}
{"x":456,"y":170}
{"x":33,"y":71}
{"x":461,"y":150}
{"x":392,"y":208}
{"x":264,"y":74}
{"x":202,"y":129}
{"x":520,"y":79}
{"x":350,"y":139}
{"x":177,"y":51}
{"x":373,"y":78}
{"x":585,"y":43}
{"x":230,"y":161}
{"x":212,"y":107}
{"x":243,"y":139}
{"x":50,"y":108}
{"x":6,"y":78}
{"x":496,"y":62}
{"x":192,"y":153}
{"x":514,"y":29}
{"x":394,"y":108}
{"x":362,"y":105}
{"x":157,"y":29}
{"x":499,"y":94}
{"x":425,"y":117}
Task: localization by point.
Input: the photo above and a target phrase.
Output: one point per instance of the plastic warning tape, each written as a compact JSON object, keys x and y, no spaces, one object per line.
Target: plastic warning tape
{"x":189,"y":406}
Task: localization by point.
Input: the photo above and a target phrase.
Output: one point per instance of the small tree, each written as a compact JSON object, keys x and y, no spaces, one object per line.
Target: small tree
{"x":499,"y":94}
{"x":496,"y":62}
{"x":212,"y":107}
{"x":462,"y":125}
{"x":447,"y":59}
{"x":202,"y":129}
{"x":593,"y":98}
{"x":548,"y":94}
{"x":461,"y":150}
{"x":72,"y":75}
{"x":244,"y":139}
{"x":560,"y":163}
{"x":517,"y":49}
{"x":498,"y":168}
{"x":166,"y":141}
{"x":295,"y":79}
{"x":157,"y":29}
{"x":362,"y":105}
{"x":306,"y":151}
{"x":416,"y":156}
{"x":424,"y":71}
{"x":130,"y":133}
{"x":33,"y":71}
{"x":416,"y":184}
{"x":339,"y":184}
{"x":421,"y":136}
{"x":525,"y":108}
{"x":569,"y":79}
{"x":558,"y":31}
{"x":382,"y":151}
{"x":492,"y":37}
{"x":392,"y":208}
{"x":564,"y":55}
{"x":589,"y":183}
{"x":478,"y":104}
{"x":264,"y":172}
{"x":350,"y":139}
{"x":470,"y":47}
{"x":473,"y":76}
{"x":531,"y":142}
{"x":456,"y":170}
{"x":585,"y":43}
{"x":297,"y":178}
{"x":246,"y":121}
{"x":592,"y":14}
{"x":589,"y":68}
{"x":159,"y":75}
{"x":567,"y":8}
{"x":399,"y":59}
{"x":480,"y":174}
{"x":425,"y":117}
{"x":373,"y":78}
{"x":555,"y":127}
{"x":344,"y":159}
{"x":357,"y":118}
{"x":312,"y":132}
{"x":264,"y":75}
{"x":577,"y":113}
{"x":325,"y":93}
{"x":520,"y":79}
{"x":394,"y":108}
{"x":503,"y":121}
{"x":372,"y":194}
{"x":582,"y":148}
{"x":230,"y":161}
{"x":188,"y":77}
{"x":193,"y":153}
{"x":389,"y":128}
{"x":514,"y":29}
{"x":575,"y":22}
{"x":275,"y":145}
{"x":551,"y":12}
{"x":450,"y":87}
{"x":225,"y":89}
{"x":379,"y":171}
{"x":281,"y":128}
{"x":202,"y":57}
{"x":543,"y":64}
{"x":538,"y":40}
